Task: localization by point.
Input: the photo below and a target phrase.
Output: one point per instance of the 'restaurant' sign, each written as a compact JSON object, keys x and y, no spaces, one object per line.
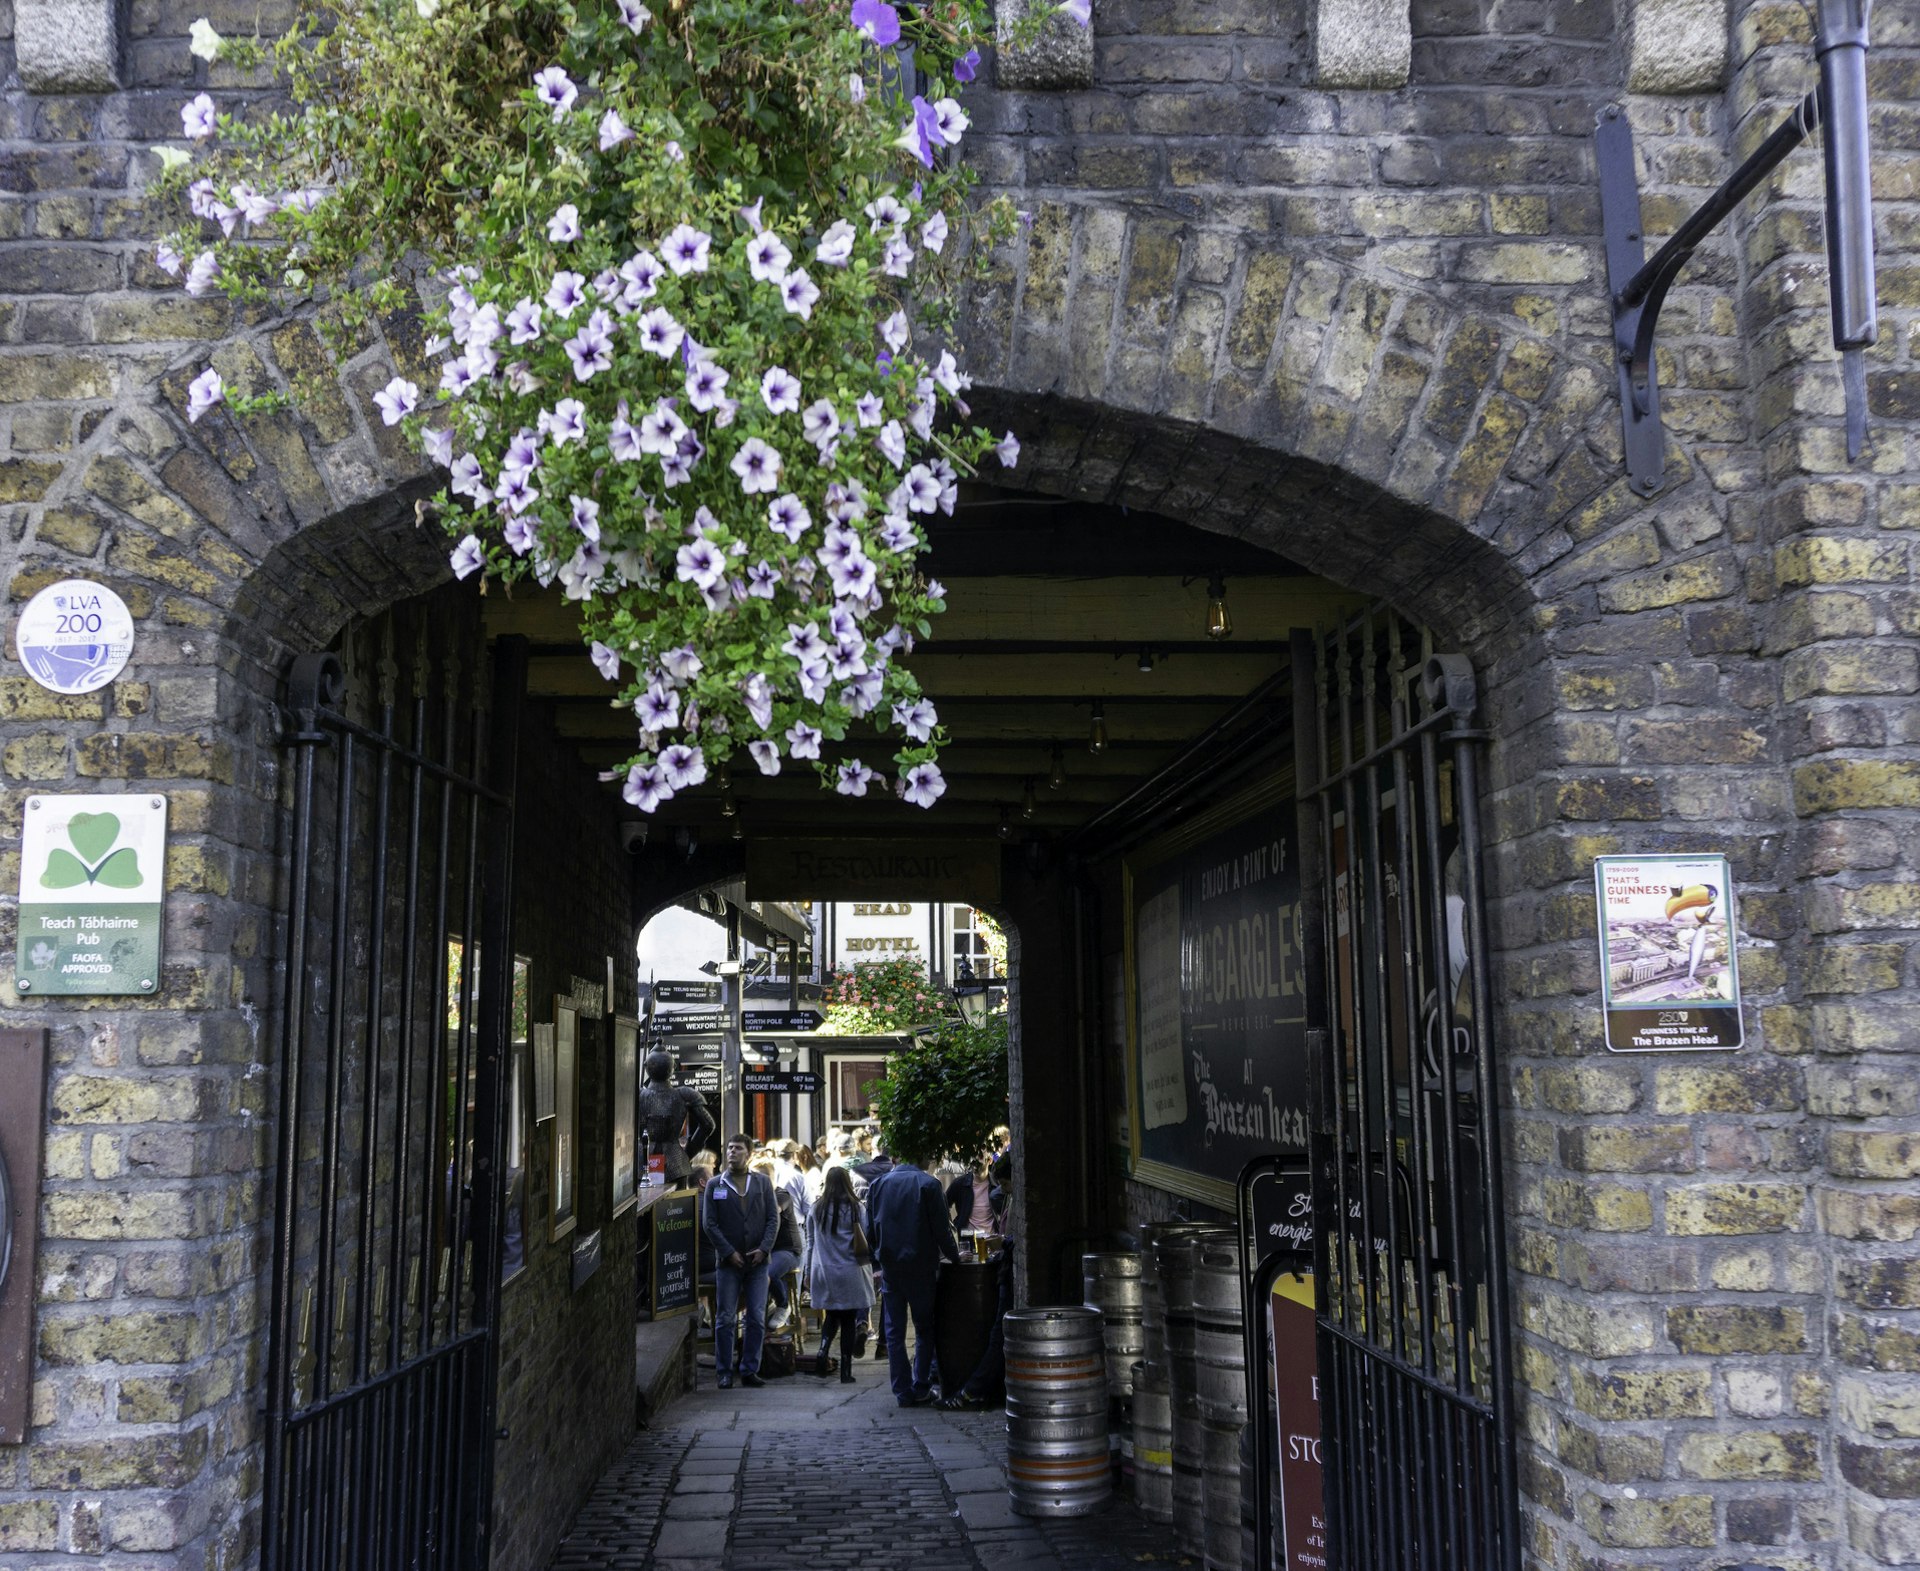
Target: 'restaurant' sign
{"x":963,"y":871}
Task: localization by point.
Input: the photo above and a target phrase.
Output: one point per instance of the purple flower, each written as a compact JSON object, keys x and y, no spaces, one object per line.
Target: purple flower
{"x":763,"y":578}
{"x":465,"y":480}
{"x":923,"y":491}
{"x":751,"y":215}
{"x":167,"y":259}
{"x":682,"y":664}
{"x":201,"y":119}
{"x":798,"y":293}
{"x":925,"y":785}
{"x":686,"y":250}
{"x":555,"y":89}
{"x":898,"y":536}
{"x":921,"y":135}
{"x":803,"y":643}
{"x":896,"y":261}
{"x":887,"y":212}
{"x":661,"y":430}
{"x":523,"y":323}
{"x":862,"y":694}
{"x":813,"y":681}
{"x":685,"y":766}
{"x":767,"y":755}
{"x":606,"y":660}
{"x":566,"y":422}
{"x":641,"y":272}
{"x":623,"y":441}
{"x":1080,"y":10}
{"x":853,"y":778}
{"x":522,"y":455}
{"x":868,"y":410}
{"x":518,"y":532}
{"x":819,"y":422}
{"x":854,"y":576}
{"x":787,"y":516}
{"x":933,"y":233}
{"x":706,"y":385}
{"x":948,"y":374}
{"x":564,"y":226}
{"x":634,"y":14}
{"x":836,"y":245}
{"x":802,"y":740}
{"x":203,"y":392}
{"x":916,"y":719}
{"x":892,"y":442}
{"x":1007,"y":450}
{"x":585,"y":516}
{"x":967,"y":66}
{"x":591,"y":349}
{"x":767,"y":257}
{"x":660,"y":334}
{"x":700,"y":564}
{"x":646,"y":787}
{"x":398,"y":399}
{"x":582,"y":571}
{"x":877,"y":22}
{"x":613,"y":131}
{"x":201,"y":273}
{"x":895,"y":332}
{"x":658,"y":708}
{"x":758,"y":693}
{"x":468,"y":558}
{"x":438,"y":445}
{"x":566,"y":294}
{"x":780,"y":390}
{"x":516,"y":490}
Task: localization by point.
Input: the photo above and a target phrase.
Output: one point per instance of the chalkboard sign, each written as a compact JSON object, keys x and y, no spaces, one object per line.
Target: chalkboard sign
{"x":1216,"y":1002}
{"x":676,"y":1252}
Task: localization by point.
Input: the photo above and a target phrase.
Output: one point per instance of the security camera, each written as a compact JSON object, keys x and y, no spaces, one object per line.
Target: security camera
{"x":633,"y":837}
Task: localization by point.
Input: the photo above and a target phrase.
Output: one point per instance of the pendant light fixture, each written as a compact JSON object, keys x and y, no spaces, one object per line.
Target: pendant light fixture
{"x":1146,"y":662}
{"x":1097,"y":732}
{"x":1006,"y":823}
{"x":1028,"y":804}
{"x":1219,"y":619}
{"x":1057,"y":775}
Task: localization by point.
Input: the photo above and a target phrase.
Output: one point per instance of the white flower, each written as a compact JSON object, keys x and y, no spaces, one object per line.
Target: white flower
{"x":466,"y":480}
{"x":892,"y":442}
{"x":439,"y":446}
{"x":780,"y":390}
{"x":565,"y":422}
{"x":657,"y":709}
{"x":758,"y":694}
{"x":686,"y":250}
{"x":203,"y":392}
{"x":819,"y":422}
{"x":948,"y":374}
{"x":685,"y":766}
{"x":952,"y":118}
{"x":199,"y":118}
{"x":523,"y":323}
{"x":682,"y":664}
{"x":767,"y":755}
{"x":641,"y":273}
{"x":896,"y":261}
{"x":802,"y":740}
{"x":853,"y":778}
{"x":868,"y":410}
{"x":896,"y":332}
{"x":917,"y":719}
{"x":757,"y":465}
{"x":923,"y":491}
{"x":925,"y":785}
{"x":167,"y":259}
{"x":661,"y":430}
{"x":767,"y":257}
{"x":700,"y":563}
{"x":646,"y":787}
{"x":836,"y":245}
{"x":1080,"y":11}
{"x":204,"y":41}
{"x":171,"y":158}
{"x":933,"y":233}
{"x":555,"y":89}
{"x":613,"y":131}
{"x":634,"y":14}
{"x":564,"y":225}
{"x":856,"y":89}
{"x":428,"y":9}
{"x":706,"y":385}
{"x":468,"y":558}
{"x":585,"y":516}
{"x":605,"y":660}
{"x":887,"y":212}
{"x":566,"y":294}
{"x":787,"y":515}
{"x":1007,"y":450}
{"x":659,"y":333}
{"x":798,"y":292}
{"x":398,"y":399}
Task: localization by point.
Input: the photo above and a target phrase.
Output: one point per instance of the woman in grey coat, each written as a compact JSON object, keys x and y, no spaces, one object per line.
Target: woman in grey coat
{"x":837,"y":1281}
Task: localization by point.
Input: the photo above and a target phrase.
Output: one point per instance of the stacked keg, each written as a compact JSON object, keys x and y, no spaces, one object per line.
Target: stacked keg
{"x":1173,"y":1259}
{"x":1111,"y":1284}
{"x":1057,"y":1459}
{"x":1152,"y":1442}
{"x":1220,"y":1389}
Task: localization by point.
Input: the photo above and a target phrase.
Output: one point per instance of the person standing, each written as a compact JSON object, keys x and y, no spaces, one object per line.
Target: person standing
{"x":741,"y":1219}
{"x":911,"y":1234}
{"x":837,"y":1279}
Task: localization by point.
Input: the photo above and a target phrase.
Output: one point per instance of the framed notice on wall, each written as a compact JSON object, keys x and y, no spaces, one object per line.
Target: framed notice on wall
{"x":566,"y":1117}
{"x":1669,"y":953}
{"x":1215,"y":996}
{"x":626,"y":1111}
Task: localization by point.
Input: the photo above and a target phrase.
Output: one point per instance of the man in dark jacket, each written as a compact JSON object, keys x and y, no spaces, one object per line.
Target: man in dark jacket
{"x":740,"y":1217}
{"x":909,"y":1230}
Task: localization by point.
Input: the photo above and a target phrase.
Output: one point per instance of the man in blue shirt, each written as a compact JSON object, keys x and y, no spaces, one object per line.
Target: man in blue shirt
{"x":741,"y":1218}
{"x":911,"y":1233}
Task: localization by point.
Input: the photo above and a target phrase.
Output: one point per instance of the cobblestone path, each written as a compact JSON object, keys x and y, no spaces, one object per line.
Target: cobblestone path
{"x":813,"y":1475}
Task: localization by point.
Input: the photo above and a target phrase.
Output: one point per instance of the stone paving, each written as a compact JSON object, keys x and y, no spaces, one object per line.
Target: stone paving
{"x":812,"y":1473}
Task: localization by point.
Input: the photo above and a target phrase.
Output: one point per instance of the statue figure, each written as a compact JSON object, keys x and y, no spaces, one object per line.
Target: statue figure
{"x":668,"y":1110}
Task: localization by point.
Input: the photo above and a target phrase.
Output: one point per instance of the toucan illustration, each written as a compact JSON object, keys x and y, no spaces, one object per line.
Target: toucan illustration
{"x":1693,"y":906}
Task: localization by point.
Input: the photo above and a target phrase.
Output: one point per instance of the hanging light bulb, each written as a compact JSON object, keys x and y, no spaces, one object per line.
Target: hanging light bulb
{"x":1057,"y":775}
{"x":1006,"y":823}
{"x":1146,"y":662}
{"x":739,"y":830}
{"x":727,"y":809}
{"x":1097,"y":732}
{"x":1219,"y":619}
{"x":1027,"y":802}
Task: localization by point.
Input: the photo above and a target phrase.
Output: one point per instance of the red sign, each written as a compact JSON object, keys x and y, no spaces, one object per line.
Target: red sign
{"x":1296,"y":1390}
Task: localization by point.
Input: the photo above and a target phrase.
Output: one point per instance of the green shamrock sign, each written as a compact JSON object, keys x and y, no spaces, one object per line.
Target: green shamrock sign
{"x":92,"y":836}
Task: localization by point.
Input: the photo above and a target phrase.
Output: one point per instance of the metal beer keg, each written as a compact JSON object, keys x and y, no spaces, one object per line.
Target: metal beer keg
{"x":1219,"y":1345}
{"x":1152,"y":1443}
{"x":1110,"y":1283}
{"x":1057,"y":1455}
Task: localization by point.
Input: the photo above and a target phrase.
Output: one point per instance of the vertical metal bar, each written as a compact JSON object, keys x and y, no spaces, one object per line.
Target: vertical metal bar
{"x":336,"y":1055}
{"x":403,"y":1087}
{"x":433,"y":1170}
{"x":459,"y":1183}
{"x":376,"y":993}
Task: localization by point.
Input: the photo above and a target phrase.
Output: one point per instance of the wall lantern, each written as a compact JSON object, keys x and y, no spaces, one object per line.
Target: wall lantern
{"x":973,"y":994}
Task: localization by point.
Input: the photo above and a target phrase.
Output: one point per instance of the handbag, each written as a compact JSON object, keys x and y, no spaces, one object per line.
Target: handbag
{"x":860,"y":1249}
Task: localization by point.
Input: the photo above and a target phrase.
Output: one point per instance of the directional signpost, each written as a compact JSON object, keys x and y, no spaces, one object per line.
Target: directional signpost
{"x":784,"y":1021}
{"x":779,"y":1081}
{"x":687,"y":992}
{"x":689,"y":1022}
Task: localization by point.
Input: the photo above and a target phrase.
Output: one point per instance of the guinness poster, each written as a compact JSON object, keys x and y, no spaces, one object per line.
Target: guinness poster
{"x":1216,"y":1007}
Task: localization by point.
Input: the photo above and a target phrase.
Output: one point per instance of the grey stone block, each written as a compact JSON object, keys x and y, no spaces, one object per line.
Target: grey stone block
{"x":1061,"y":58}
{"x":1679,"y":46}
{"x":1362,"y":43}
{"x":68,"y":46}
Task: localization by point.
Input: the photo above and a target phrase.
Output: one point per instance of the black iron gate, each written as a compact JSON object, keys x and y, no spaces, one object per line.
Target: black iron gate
{"x":1417,"y":1412}
{"x":388,"y":1202}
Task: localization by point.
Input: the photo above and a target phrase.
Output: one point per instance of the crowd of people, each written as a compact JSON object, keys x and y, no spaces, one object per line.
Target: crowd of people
{"x":853,"y":1231}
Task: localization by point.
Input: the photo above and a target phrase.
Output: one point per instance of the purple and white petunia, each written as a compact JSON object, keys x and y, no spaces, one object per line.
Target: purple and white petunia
{"x":917,"y":719}
{"x":706,"y":385}
{"x":466,"y":480}
{"x":798,"y":293}
{"x":167,"y":259}
{"x":767,"y":257}
{"x":585,"y":516}
{"x":581,"y":571}
{"x":682,"y":664}
{"x":787,"y":515}
{"x":200,"y":197}
{"x":661,"y":431}
{"x":758,"y":693}
{"x":606,"y":660}
{"x":468,"y":557}
{"x":202,"y":272}
{"x":439,"y":446}
{"x":887,"y":212}
{"x":516,"y":491}
{"x":634,"y":14}
{"x":523,"y":323}
{"x":398,"y":399}
{"x":820,"y":422}
{"x":862,"y":694}
{"x":519,"y":534}
{"x":613,"y":131}
{"x":765,"y":754}
{"x":854,"y":576}
{"x":1080,"y":11}
{"x":933,"y":233}
{"x":1007,"y":450}
{"x":566,"y":294}
{"x":952,"y":118}
{"x":852,"y":778}
{"x":856,"y":89}
{"x":923,"y":490}
{"x":836,"y":245}
{"x":898,"y":536}
{"x":921,"y":135}
{"x":877,"y":22}
{"x":896,"y":260}
{"x":780,"y":390}
{"x":686,"y":250}
{"x":846,"y":504}
{"x":657,"y":709}
{"x":641,"y":272}
{"x":925,"y":785}
{"x":700,"y":563}
{"x":802,"y":740}
{"x":685,"y":766}
{"x":522,"y":455}
{"x":591,"y":349}
{"x":892,"y":442}
{"x":869,"y":410}
{"x":565,"y":422}
{"x":199,"y":118}
{"x":623,"y":441}
{"x":895,"y":332}
{"x":660,"y":334}
{"x":949,"y":375}
{"x":763,"y":578}
{"x":203,"y":392}
{"x":804,"y":643}
{"x":564,"y":226}
{"x":646,"y":787}
{"x":555,"y":89}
